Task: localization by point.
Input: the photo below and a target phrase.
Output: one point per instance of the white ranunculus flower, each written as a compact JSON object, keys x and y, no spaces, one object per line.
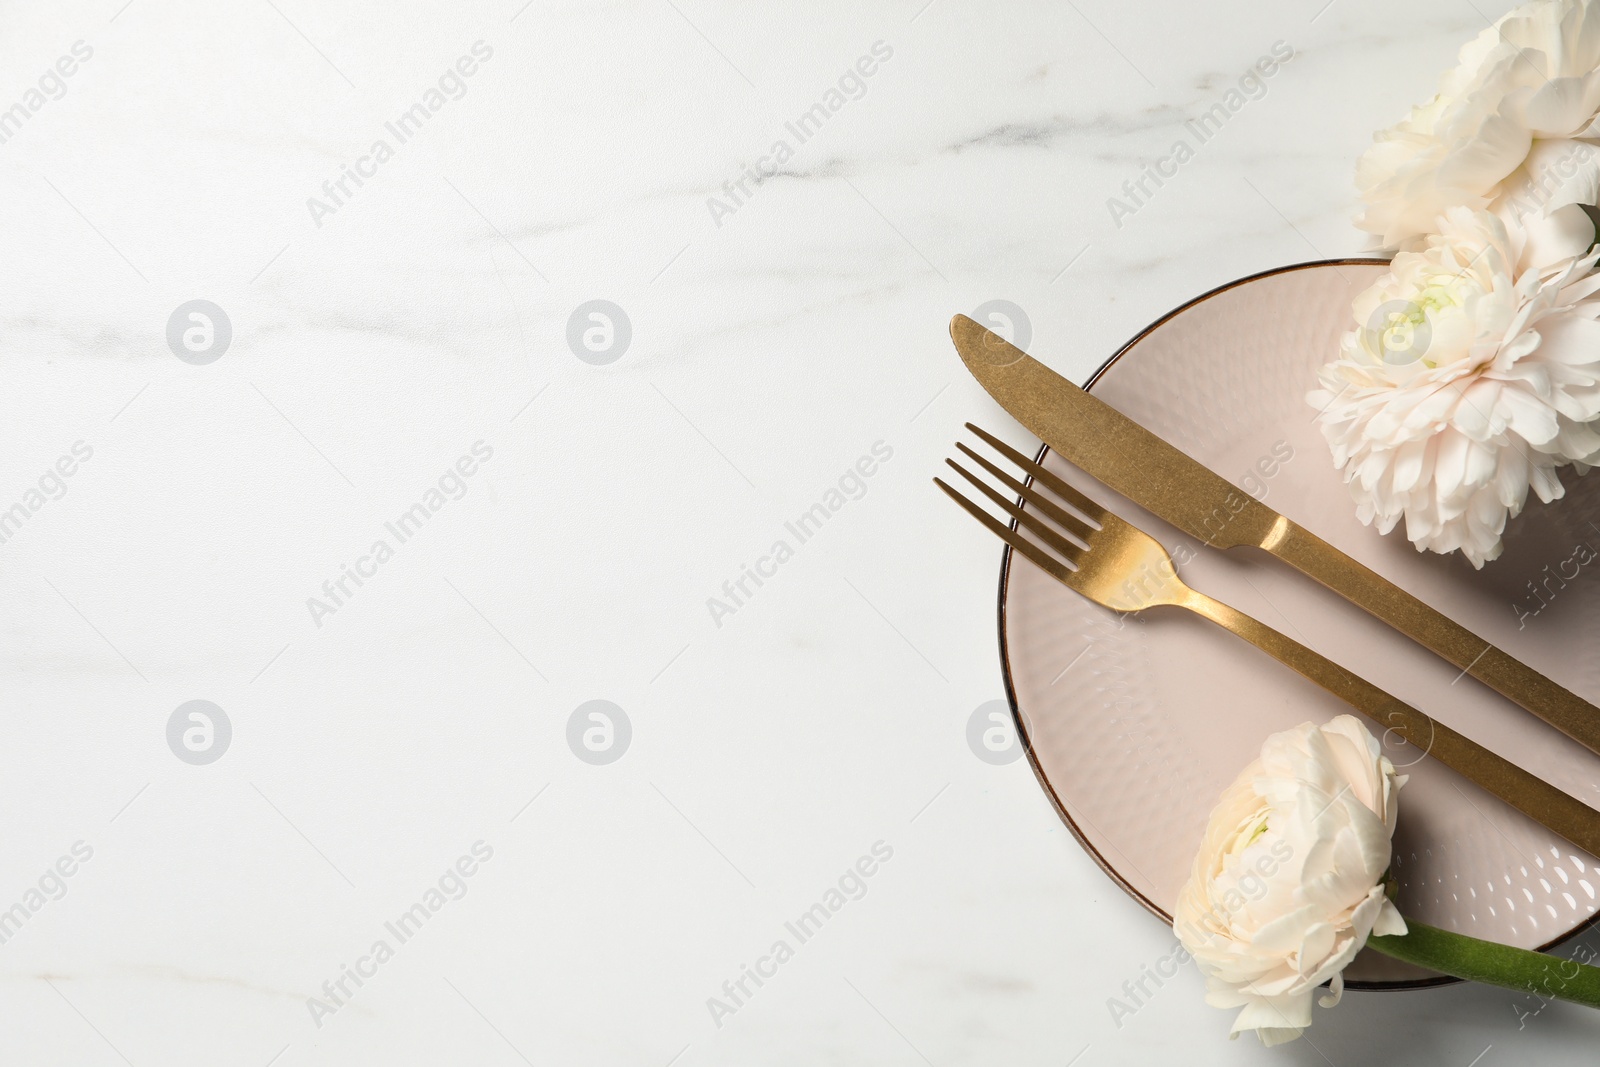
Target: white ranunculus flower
{"x":1286,"y":887}
{"x":1467,"y":380}
{"x":1513,"y":128}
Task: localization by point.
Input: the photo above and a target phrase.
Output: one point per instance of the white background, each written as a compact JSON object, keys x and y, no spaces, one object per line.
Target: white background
{"x":768,"y":354}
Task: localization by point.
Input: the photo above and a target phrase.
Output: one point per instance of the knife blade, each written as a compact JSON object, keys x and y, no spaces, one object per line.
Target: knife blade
{"x":1112,"y":448}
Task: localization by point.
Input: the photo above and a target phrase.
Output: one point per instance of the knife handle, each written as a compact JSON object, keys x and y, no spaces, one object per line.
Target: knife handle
{"x":1556,"y":705}
{"x":1529,"y":794}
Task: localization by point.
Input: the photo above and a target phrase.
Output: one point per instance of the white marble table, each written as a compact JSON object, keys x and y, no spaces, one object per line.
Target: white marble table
{"x":396,"y":766}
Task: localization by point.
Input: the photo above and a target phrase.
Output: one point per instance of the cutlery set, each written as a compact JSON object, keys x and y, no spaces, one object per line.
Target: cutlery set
{"x":1104,"y":558}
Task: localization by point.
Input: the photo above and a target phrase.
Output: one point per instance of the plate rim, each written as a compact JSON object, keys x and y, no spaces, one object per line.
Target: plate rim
{"x":1020,"y":723}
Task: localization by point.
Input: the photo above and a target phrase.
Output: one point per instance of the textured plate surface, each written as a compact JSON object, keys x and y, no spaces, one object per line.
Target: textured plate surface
{"x":1137,"y":723}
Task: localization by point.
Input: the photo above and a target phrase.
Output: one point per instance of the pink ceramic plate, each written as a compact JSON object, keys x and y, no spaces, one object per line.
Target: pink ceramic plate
{"x":1136,"y":724}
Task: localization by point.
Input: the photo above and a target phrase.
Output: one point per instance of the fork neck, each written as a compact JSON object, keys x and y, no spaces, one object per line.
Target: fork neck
{"x":1237,"y":622}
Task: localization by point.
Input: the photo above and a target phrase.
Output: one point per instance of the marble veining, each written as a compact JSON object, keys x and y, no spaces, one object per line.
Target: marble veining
{"x":448,"y":301}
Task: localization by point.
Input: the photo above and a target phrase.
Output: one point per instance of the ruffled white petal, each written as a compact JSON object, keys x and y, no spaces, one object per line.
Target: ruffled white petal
{"x":1286,"y":888}
{"x":1473,"y":377}
{"x":1513,"y":127}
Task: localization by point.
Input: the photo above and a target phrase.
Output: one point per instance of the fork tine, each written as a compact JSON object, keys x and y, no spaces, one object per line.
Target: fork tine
{"x":1060,"y":488}
{"x":1026,"y":518}
{"x":1062,"y":518}
{"x":1046,"y":562}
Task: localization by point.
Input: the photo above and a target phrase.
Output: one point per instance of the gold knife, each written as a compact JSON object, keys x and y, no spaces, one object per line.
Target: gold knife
{"x":1106,"y":444}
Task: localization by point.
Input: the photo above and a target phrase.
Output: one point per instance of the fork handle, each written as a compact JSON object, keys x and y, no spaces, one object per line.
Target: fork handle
{"x":1529,"y":794}
{"x":1556,"y":705}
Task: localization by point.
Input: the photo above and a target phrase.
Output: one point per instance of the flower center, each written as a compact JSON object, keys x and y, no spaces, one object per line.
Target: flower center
{"x":1250,"y":833}
{"x":1406,"y":329}
{"x":1443,"y":291}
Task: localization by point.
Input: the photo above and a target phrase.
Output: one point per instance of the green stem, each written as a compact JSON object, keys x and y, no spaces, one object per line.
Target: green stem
{"x":1466,"y":957}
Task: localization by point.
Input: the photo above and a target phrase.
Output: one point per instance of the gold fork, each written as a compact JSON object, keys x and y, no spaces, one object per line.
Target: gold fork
{"x":1121,"y":567}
